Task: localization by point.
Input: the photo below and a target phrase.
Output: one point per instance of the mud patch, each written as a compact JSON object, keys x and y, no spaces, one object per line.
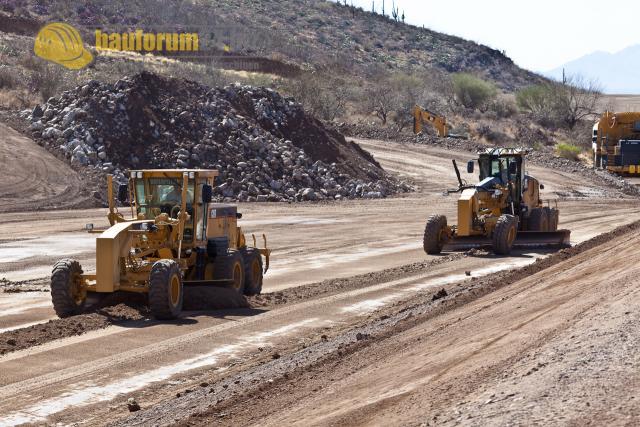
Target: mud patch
{"x":16,"y":287}
{"x":19,"y":339}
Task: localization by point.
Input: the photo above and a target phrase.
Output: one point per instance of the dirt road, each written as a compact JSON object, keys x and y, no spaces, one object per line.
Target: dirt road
{"x":557,"y":347}
{"x":89,"y":376}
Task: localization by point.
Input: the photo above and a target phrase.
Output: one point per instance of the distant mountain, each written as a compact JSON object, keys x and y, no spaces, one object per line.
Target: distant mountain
{"x":619,"y":73}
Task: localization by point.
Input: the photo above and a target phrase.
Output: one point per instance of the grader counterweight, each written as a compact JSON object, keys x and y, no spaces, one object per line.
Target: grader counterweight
{"x":176,"y":237}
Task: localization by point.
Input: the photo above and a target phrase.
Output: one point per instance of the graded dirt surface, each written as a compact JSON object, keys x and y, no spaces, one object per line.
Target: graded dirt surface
{"x":89,"y":376}
{"x":557,"y":347}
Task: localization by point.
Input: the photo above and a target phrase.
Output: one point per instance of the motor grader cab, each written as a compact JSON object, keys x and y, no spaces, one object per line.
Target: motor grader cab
{"x":502,"y":210}
{"x":176,"y":237}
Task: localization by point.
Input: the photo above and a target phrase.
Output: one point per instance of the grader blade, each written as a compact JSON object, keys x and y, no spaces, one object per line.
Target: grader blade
{"x":543,"y":239}
{"x":524,"y":239}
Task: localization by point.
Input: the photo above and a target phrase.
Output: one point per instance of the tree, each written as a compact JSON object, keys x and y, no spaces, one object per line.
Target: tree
{"x":576,"y":99}
{"x":565,"y":103}
{"x":381,"y":101}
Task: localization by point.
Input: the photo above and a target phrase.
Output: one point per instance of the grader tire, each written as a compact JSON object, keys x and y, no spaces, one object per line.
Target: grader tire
{"x":166,"y":293}
{"x":230,"y":267}
{"x":554,"y":216}
{"x":252,"y":272}
{"x":434,"y":234}
{"x":67,"y":296}
{"x":505,"y":234}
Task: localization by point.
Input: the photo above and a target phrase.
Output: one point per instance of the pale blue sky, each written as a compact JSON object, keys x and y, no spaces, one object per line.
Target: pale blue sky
{"x":539,"y":35}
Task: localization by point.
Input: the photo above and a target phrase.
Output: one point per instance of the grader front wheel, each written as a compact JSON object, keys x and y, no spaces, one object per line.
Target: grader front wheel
{"x":435,"y":234}
{"x":166,"y":292}
{"x":505,"y":234}
{"x":67,"y":293}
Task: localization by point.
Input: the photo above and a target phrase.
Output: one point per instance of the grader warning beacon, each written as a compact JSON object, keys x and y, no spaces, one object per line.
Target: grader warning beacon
{"x":177,"y":237}
{"x":502,"y":211}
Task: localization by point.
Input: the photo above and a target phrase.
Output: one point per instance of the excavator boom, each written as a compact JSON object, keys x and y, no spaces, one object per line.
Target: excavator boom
{"x":421,"y":116}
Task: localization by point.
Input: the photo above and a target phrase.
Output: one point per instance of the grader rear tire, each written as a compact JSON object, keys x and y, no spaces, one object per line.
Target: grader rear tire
{"x":230,"y":268}
{"x":434,"y":234}
{"x":252,"y":272}
{"x":166,"y":293}
{"x":67,"y":295}
{"x":538,"y":220}
{"x":505,"y":234}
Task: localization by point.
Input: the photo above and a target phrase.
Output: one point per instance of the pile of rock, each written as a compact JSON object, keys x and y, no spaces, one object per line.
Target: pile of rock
{"x":264,"y":145}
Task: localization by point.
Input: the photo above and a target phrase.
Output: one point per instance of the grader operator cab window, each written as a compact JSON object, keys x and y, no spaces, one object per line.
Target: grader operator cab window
{"x":164,"y":195}
{"x":498,"y":167}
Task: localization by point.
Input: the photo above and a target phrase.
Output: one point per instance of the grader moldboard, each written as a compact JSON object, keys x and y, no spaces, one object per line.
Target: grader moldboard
{"x":504,"y":210}
{"x":176,"y":237}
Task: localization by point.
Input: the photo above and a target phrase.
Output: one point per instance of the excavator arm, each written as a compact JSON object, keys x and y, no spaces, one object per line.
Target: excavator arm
{"x":422,"y":116}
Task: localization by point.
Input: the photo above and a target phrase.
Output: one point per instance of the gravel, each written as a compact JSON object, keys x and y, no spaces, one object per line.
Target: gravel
{"x":264,"y":145}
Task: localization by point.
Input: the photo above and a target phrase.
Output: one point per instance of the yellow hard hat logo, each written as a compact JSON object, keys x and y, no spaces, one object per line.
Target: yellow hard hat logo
{"x":62,"y":44}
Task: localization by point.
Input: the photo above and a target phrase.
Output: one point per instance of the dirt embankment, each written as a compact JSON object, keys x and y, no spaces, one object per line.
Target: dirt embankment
{"x":35,"y":179}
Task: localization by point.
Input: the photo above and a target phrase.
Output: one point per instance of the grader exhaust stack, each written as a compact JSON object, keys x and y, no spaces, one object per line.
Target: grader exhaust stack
{"x":503,"y":211}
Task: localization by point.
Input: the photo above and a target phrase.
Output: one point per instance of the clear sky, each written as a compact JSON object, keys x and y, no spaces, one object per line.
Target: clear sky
{"x":536,"y":34}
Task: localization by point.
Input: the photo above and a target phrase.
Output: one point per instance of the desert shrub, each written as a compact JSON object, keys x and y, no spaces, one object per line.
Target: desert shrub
{"x":45,"y":80}
{"x":568,"y":151}
{"x":491,"y":135}
{"x":471,"y":91}
{"x":567,"y":103}
{"x":324,"y":97}
{"x":503,"y":108}
{"x":7,"y":78}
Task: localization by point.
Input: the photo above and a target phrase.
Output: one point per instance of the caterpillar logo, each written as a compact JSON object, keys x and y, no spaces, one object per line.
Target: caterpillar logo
{"x":62,"y":44}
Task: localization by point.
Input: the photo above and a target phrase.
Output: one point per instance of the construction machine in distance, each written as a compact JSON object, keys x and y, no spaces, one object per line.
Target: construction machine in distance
{"x":422,"y":116}
{"x":177,"y":237}
{"x":616,"y":143}
{"x":502,"y":211}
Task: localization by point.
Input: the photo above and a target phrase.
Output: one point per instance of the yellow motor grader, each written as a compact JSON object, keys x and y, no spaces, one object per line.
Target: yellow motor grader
{"x":502,"y":211}
{"x":176,"y":237}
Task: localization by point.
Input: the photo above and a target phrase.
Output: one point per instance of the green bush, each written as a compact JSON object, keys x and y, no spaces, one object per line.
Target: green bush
{"x":568,"y":151}
{"x":472,"y":92}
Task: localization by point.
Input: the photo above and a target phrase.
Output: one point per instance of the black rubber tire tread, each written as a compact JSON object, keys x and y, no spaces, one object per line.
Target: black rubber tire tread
{"x":501,"y":245}
{"x":431,"y":244}
{"x":223,"y":267}
{"x":250,"y":256}
{"x":553,"y":216}
{"x":538,"y":220}
{"x":63,"y":302}
{"x":159,"y":290}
